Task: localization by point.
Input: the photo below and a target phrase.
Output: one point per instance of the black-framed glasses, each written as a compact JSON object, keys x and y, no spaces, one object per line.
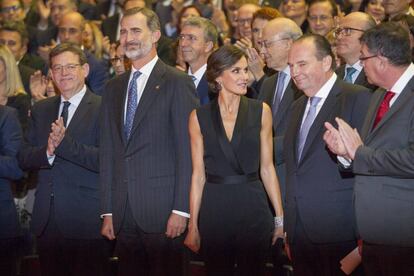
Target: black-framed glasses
{"x":346,"y":31}
{"x":362,"y":58}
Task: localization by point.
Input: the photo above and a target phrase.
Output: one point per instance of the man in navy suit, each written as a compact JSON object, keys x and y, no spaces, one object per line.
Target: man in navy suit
{"x":10,"y":141}
{"x":145,"y":163}
{"x":62,"y":145}
{"x":319,"y":217}
{"x":197,"y":40}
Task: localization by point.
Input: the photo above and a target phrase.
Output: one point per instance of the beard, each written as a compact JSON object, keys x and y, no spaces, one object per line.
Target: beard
{"x":137,"y":50}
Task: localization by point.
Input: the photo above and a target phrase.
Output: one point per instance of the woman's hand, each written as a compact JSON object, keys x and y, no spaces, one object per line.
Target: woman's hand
{"x":192,"y":240}
{"x":277,"y":234}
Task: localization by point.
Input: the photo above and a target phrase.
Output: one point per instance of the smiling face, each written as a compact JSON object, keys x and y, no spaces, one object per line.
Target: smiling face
{"x":308,"y":73}
{"x":193,"y":46}
{"x":234,"y":80}
{"x":135,"y":36}
{"x":320,"y":18}
{"x":68,"y":74}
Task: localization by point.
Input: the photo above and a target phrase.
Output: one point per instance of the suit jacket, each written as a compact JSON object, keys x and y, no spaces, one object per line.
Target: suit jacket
{"x":317,"y":192}
{"x":151,"y":170}
{"x":10,"y":141}
{"x":384,"y":169}
{"x":98,"y":73}
{"x":110,"y":27}
{"x":204,"y":91}
{"x":280,"y":122}
{"x":360,"y":80}
{"x":72,"y":180}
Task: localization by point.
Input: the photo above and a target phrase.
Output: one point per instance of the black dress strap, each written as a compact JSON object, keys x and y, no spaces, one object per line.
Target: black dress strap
{"x":225,"y":144}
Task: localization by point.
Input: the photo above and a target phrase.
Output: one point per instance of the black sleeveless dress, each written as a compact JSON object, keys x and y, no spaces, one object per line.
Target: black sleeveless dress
{"x":235,"y":220}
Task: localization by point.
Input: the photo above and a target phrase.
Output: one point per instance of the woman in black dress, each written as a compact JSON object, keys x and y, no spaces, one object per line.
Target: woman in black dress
{"x":231,"y":146}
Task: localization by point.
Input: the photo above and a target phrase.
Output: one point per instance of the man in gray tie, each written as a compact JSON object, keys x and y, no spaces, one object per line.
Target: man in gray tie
{"x":348,"y":47}
{"x":319,"y":219}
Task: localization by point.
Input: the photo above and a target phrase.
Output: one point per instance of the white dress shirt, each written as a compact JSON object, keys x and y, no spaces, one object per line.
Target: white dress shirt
{"x":198,"y":74}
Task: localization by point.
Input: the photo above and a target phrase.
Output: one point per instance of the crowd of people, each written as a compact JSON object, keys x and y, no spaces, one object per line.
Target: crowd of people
{"x":237,"y":132}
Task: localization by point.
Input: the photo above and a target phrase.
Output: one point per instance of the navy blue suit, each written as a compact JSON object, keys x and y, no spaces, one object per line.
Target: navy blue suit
{"x":10,"y":140}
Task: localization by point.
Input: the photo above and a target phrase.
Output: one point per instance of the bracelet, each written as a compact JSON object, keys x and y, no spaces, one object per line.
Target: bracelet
{"x":278,"y":222}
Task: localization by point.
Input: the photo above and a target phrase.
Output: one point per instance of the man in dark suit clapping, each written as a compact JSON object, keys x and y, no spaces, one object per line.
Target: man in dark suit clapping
{"x":62,"y":144}
{"x":145,"y":160}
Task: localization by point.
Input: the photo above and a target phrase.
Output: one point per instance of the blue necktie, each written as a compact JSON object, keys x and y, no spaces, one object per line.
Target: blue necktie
{"x":307,"y":123}
{"x":279,"y":92}
{"x":131,"y":104}
{"x":65,"y":112}
{"x":349,"y":73}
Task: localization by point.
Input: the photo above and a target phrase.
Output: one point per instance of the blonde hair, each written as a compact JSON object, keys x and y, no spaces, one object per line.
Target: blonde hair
{"x":14,"y":85}
{"x":97,"y":39}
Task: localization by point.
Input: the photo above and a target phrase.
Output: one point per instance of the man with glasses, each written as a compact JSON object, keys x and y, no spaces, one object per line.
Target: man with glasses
{"x":381,"y":155}
{"x":321,"y":16}
{"x":279,"y":92}
{"x":62,"y":145}
{"x":71,"y":29}
{"x":348,"y":47}
{"x":244,"y":25}
{"x":197,"y":40}
{"x":11,"y":10}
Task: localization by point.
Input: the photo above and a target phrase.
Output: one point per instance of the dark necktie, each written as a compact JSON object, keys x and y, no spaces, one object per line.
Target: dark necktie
{"x":279,"y":92}
{"x":131,"y":104}
{"x":65,"y":112}
{"x":384,"y":107}
{"x":349,"y":73}
{"x":307,"y":123}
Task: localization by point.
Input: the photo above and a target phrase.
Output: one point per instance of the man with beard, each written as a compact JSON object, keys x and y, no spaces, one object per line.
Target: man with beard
{"x":197,"y":41}
{"x":145,"y":162}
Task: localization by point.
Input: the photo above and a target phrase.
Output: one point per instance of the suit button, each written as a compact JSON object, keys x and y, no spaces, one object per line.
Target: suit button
{"x":52,"y":194}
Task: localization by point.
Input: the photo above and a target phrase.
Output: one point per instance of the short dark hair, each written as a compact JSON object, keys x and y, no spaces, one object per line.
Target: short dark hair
{"x":68,"y":47}
{"x":322,"y":47}
{"x":333,"y":4}
{"x":18,"y":27}
{"x":389,"y":40}
{"x":221,"y":59}
{"x":153,"y":22}
{"x":406,"y":19}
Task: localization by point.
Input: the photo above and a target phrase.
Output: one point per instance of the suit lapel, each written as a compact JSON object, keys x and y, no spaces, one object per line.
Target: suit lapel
{"x":284,"y":105}
{"x":80,"y":113}
{"x":372,"y":112}
{"x":323,"y":115}
{"x":297,"y":116}
{"x":119,"y":104}
{"x":150,"y":93}
{"x":402,"y":99}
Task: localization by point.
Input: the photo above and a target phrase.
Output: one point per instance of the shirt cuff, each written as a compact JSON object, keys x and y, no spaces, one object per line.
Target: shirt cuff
{"x":50,"y":159}
{"x":344,"y":161}
{"x":106,"y":215}
{"x":183,"y":214}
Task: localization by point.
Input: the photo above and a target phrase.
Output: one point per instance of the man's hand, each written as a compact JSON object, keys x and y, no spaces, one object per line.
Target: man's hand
{"x":107,"y":229}
{"x":176,"y":225}
{"x":334,"y":141}
{"x":50,"y":150}
{"x":58,"y":132}
{"x":350,"y":137}
{"x":38,"y":84}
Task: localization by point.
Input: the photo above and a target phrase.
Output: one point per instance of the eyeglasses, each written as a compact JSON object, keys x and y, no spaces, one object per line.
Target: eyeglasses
{"x":268,"y":43}
{"x":285,"y":2}
{"x":9,"y":43}
{"x":70,"y":68}
{"x":347,"y":31}
{"x":362,"y":58}
{"x":11,"y":8}
{"x":189,"y":37}
{"x":322,"y":18}
{"x":244,"y":21}
{"x":117,"y":59}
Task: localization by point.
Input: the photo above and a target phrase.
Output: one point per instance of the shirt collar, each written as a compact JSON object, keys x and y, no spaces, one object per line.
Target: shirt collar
{"x":286,"y":70}
{"x":199,"y":73}
{"x":327,"y":87}
{"x":147,"y":68}
{"x":77,"y":98}
{"x":357,"y":65}
{"x":401,"y":83}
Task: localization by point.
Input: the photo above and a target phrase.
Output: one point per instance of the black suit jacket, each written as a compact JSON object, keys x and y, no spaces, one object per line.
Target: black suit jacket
{"x":10,"y":141}
{"x":360,"y":80}
{"x":25,"y":73}
{"x":110,"y":27}
{"x":317,"y":192}
{"x":72,"y":180}
{"x":152,"y":170}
